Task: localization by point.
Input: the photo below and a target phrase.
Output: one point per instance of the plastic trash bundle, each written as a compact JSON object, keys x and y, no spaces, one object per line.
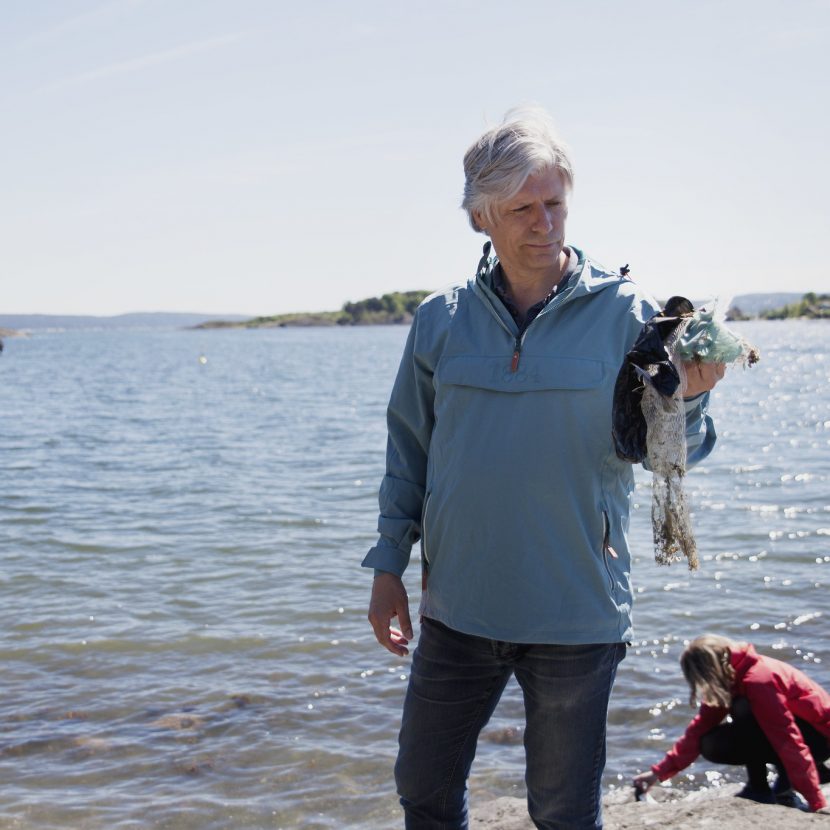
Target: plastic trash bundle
{"x":649,"y":419}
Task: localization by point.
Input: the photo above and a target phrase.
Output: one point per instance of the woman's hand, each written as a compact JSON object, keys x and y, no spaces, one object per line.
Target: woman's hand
{"x":701,"y":377}
{"x":644,"y":782}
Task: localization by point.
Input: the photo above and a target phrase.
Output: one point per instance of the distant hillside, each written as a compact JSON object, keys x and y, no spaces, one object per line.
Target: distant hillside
{"x":813,"y":306}
{"x":390,"y":309}
{"x":752,"y":305}
{"x":399,"y":306}
{"x":161,"y":319}
{"x":394,"y":308}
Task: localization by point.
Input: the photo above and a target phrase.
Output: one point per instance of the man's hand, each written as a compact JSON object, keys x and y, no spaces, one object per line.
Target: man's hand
{"x":701,"y":376}
{"x":389,"y":599}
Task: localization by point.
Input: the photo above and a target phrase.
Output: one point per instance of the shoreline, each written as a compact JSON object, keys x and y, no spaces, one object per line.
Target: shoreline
{"x":664,"y":808}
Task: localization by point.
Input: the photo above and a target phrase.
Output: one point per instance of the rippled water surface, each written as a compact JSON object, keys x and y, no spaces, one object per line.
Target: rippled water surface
{"x":182,"y":626}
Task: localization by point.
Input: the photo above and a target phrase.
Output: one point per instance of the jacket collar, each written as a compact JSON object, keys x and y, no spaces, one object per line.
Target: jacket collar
{"x":587,"y":279}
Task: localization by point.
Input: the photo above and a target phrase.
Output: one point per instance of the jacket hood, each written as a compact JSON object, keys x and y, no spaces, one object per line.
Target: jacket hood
{"x":742,"y":658}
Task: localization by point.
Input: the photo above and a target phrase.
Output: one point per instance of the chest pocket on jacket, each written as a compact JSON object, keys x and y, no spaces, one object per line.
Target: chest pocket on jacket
{"x":535,"y":373}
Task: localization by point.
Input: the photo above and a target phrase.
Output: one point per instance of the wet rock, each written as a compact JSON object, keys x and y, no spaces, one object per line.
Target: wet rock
{"x":179,"y":721}
{"x":508,"y":735}
{"x":88,"y":745}
{"x":196,"y":767}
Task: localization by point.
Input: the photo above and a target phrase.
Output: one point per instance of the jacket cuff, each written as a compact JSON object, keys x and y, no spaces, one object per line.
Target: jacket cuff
{"x":664,"y":770}
{"x":697,"y":400}
{"x":817,"y":803}
{"x":386,"y":558}
{"x":700,"y":430}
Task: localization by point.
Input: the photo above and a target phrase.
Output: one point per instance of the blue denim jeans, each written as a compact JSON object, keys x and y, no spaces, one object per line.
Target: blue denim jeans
{"x":456,"y":681}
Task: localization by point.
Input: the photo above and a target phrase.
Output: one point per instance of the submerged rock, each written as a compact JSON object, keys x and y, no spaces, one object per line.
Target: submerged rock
{"x":179,"y":721}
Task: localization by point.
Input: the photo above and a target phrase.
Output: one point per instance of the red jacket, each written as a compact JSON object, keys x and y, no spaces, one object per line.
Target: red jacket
{"x":777,"y":694}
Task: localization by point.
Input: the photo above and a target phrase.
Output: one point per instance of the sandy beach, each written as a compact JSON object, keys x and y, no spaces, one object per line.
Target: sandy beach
{"x":665,"y":809}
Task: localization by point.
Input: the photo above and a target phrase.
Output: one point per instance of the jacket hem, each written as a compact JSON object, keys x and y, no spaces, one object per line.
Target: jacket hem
{"x":574,"y":637}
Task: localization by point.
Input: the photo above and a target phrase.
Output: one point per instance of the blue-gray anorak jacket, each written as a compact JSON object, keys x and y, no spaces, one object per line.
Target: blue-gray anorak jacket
{"x":500,"y":460}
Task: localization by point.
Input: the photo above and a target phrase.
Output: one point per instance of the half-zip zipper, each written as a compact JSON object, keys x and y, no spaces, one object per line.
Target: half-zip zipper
{"x":518,"y":339}
{"x":517,"y":353}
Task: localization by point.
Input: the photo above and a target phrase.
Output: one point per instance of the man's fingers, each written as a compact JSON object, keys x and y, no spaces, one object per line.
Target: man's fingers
{"x":702,"y":376}
{"x":381,"y":629}
{"x":405,"y":622}
{"x":400,"y":641}
{"x":391,"y":640}
{"x":711,"y":373}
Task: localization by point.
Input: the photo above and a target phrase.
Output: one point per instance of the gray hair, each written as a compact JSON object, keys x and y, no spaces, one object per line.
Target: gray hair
{"x":497,"y":165}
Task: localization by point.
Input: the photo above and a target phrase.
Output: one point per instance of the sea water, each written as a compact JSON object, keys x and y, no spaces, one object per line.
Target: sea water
{"x":183,"y":626}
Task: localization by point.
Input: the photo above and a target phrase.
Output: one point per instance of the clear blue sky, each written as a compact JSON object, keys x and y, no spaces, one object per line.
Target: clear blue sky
{"x":261,"y":157}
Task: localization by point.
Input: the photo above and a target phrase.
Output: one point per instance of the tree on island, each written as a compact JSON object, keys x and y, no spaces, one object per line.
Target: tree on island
{"x":389,"y":309}
{"x":812,"y":305}
{"x":397,"y":307}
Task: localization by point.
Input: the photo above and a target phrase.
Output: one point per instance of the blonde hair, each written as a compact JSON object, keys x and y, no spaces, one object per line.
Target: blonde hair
{"x":706,"y":667}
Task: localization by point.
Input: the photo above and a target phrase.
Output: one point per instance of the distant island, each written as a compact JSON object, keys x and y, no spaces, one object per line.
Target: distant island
{"x":396,"y":308}
{"x":390,"y":309}
{"x":399,"y":306}
{"x":812,"y":306}
{"x":778,"y":306}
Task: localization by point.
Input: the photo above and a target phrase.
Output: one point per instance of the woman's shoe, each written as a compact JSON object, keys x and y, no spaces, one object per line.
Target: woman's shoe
{"x":790,"y":798}
{"x":761,"y":796}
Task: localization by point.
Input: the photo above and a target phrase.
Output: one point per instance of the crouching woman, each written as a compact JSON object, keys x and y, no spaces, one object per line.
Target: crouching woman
{"x":778,"y":716}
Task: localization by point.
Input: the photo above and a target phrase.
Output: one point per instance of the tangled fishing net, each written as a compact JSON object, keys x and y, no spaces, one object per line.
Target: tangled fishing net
{"x":649,"y":418}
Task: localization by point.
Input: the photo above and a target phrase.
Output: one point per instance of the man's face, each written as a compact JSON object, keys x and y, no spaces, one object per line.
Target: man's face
{"x":528,"y":231}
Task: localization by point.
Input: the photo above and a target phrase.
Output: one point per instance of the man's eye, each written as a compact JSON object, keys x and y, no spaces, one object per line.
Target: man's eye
{"x":521,"y":209}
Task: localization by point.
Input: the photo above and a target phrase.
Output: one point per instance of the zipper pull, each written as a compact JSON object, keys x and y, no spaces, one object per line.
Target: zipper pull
{"x":517,"y":353}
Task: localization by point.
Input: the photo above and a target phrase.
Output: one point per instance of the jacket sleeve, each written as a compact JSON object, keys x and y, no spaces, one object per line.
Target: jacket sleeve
{"x":769,"y":705}
{"x":688,"y":747}
{"x":410,"y":420}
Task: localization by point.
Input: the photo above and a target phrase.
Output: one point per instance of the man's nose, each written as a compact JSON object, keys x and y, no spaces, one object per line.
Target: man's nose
{"x":542,"y":219}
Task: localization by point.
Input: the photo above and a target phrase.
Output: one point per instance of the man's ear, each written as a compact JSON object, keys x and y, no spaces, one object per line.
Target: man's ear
{"x":479,"y":219}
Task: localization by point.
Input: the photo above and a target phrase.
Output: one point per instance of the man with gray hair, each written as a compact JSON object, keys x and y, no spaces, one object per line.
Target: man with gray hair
{"x":500,"y":460}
